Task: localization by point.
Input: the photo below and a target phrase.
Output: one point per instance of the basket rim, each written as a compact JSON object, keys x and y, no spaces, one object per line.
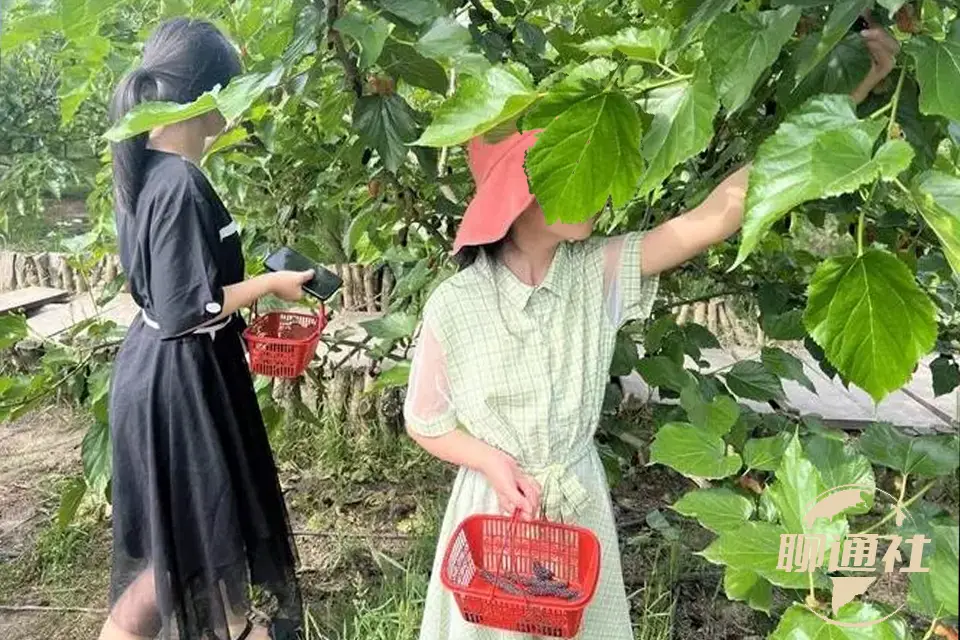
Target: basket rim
{"x":321,"y":323}
{"x":476,"y":592}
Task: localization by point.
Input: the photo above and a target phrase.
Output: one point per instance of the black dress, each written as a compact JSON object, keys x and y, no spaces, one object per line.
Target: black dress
{"x":198,"y":517}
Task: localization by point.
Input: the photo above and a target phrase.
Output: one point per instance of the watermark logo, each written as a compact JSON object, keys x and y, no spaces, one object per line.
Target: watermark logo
{"x":849,"y":554}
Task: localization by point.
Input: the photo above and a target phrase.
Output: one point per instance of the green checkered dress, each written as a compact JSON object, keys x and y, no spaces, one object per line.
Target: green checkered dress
{"x":525,"y":369}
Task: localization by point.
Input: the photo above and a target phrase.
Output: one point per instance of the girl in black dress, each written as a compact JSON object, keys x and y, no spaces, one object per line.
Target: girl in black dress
{"x":198,"y":518}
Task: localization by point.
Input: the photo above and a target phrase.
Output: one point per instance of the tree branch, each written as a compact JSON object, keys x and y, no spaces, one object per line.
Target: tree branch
{"x":350,"y":70}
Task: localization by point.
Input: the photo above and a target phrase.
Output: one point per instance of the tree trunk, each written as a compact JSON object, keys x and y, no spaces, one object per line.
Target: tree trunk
{"x":8,"y":274}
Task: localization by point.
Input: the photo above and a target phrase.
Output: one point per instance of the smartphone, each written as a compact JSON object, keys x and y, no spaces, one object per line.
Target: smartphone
{"x":324,"y":283}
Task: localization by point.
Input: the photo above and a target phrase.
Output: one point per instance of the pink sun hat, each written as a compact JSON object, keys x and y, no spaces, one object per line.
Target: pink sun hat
{"x":502,"y":190}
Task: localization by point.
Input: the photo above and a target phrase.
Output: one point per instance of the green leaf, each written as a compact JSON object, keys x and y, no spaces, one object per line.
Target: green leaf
{"x":682,"y":127}
{"x":369,"y":32}
{"x":305,"y":32}
{"x":840,"y":72}
{"x":747,"y":586}
{"x":796,"y":489}
{"x":588,"y":154}
{"x":839,"y":464}
{"x":396,"y":376}
{"x":32,"y":26}
{"x":532,"y":36}
{"x":97,"y":461}
{"x":658,"y":522}
{"x":70,"y":502}
{"x":740,"y":47}
{"x":929,"y":456}
{"x":582,"y":83}
{"x":242,"y":92}
{"x":893,"y":158}
{"x":479,"y":105}
{"x":444,"y":40}
{"x":388,"y":124}
{"x":151,"y":115}
{"x":755,"y":546}
{"x":799,"y":622}
{"x":871,"y":319}
{"x":645,"y":44}
{"x":891,"y":5}
{"x":820,"y":151}
{"x":693,"y":452}
{"x":946,"y":375}
{"x":935,"y":592}
{"x":939,"y":197}
{"x":938,"y":73}
{"x":784,"y":326}
{"x":13,"y":329}
{"x":661,"y":371}
{"x":707,"y":11}
{"x":764,"y":454}
{"x":718,"y":416}
{"x":402,"y":61}
{"x":416,"y":12}
{"x":716,"y":509}
{"x":842,"y":17}
{"x":625,"y":356}
{"x":751,"y":380}
{"x":232,"y":102}
{"x":391,"y":327}
{"x":784,"y":365}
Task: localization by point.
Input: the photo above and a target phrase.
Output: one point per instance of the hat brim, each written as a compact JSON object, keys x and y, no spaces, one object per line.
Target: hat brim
{"x":498,"y":202}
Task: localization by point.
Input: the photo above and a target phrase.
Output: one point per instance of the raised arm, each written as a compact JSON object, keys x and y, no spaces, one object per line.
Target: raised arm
{"x":721,"y":214}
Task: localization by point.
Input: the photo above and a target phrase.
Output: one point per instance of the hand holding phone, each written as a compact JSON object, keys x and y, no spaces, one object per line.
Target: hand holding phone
{"x":323,"y":283}
{"x":288,"y":285}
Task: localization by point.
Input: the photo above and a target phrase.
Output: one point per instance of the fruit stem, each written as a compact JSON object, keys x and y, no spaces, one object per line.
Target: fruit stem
{"x":890,"y":516}
{"x":895,"y":103}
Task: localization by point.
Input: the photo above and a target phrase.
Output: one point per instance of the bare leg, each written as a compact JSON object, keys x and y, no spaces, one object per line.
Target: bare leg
{"x":135,"y":614}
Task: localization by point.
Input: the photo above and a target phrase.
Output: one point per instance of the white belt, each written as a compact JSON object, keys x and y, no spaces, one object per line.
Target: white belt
{"x":210,"y":329}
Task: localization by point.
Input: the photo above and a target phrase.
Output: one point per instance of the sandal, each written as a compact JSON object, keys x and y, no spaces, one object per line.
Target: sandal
{"x":246,"y":631}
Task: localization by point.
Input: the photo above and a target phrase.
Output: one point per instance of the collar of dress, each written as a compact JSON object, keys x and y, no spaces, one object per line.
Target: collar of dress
{"x":518,"y":293}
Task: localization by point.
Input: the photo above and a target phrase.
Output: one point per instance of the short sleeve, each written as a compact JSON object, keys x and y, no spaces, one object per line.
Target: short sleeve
{"x":428,"y":410}
{"x":629,"y":294}
{"x":185,"y":289}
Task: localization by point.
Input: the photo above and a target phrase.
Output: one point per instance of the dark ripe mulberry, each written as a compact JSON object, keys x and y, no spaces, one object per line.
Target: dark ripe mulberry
{"x":542,"y":572}
{"x":553,"y":589}
{"x":500,"y":582}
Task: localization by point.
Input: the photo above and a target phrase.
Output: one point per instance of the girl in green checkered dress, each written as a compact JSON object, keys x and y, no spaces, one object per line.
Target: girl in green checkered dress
{"x":513,"y":357}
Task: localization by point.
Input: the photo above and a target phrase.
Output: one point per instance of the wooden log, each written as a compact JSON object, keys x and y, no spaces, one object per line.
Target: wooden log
{"x":356,"y":278}
{"x":369,"y":287}
{"x":700,"y":313}
{"x":42,"y":262}
{"x":19,"y":271}
{"x":712,"y":315}
{"x":356,"y":401}
{"x":335,"y":400}
{"x":8,"y":277}
{"x":386,"y":288}
{"x":109,"y":271}
{"x":53,"y":268}
{"x":343,"y":271}
{"x":30,"y":270}
{"x":67,"y":281}
{"x":683,"y":314}
{"x":724,"y":322}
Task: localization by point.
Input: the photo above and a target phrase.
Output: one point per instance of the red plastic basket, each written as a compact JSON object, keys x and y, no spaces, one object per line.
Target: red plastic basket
{"x":282,"y":343}
{"x":501,"y":544}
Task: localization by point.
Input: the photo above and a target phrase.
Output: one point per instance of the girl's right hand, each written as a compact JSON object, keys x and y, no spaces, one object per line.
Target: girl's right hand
{"x":288,"y":285}
{"x":514,"y":488}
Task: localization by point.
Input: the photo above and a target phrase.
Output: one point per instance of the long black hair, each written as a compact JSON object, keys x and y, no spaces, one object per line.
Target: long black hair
{"x":470,"y":253}
{"x":182,"y":59}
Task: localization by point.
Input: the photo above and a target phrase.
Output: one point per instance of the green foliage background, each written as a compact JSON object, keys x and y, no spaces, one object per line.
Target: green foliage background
{"x":347,"y":146}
